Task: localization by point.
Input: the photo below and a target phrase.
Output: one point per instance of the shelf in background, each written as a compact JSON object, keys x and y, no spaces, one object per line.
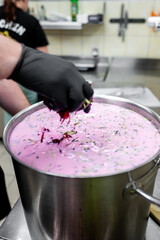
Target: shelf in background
{"x":61,"y":25}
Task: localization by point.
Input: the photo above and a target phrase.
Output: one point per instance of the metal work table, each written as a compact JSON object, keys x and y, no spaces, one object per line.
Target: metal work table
{"x":131,"y":72}
{"x":121,"y":72}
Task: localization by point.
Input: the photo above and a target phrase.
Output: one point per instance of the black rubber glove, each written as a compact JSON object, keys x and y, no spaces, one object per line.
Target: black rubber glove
{"x":56,"y":79}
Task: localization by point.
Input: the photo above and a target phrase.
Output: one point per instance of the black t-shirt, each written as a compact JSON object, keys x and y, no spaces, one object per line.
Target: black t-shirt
{"x":25,"y":29}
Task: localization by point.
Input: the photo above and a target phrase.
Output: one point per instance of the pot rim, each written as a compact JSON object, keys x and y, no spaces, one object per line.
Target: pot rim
{"x":118,"y":101}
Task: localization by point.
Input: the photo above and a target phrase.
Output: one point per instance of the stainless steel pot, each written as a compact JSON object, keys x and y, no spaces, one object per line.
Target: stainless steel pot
{"x":94,"y":208}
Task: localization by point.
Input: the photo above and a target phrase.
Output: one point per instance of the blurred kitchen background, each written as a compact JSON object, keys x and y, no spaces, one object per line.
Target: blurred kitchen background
{"x":140,"y":40}
{"x":115,"y":44}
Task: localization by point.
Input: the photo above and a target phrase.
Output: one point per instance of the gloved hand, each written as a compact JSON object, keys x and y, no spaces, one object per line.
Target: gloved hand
{"x":56,"y":79}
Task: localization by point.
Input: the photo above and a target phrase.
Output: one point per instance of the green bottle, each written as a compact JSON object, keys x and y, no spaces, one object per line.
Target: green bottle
{"x":74,"y":9}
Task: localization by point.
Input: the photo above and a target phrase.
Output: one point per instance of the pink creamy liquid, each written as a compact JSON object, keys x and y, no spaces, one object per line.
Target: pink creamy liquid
{"x":107,"y":140}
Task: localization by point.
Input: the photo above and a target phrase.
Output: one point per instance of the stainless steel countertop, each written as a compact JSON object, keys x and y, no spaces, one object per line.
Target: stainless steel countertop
{"x":131,"y":72}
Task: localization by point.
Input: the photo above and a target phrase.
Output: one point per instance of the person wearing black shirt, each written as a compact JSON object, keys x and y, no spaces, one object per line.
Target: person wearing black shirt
{"x":16,"y":23}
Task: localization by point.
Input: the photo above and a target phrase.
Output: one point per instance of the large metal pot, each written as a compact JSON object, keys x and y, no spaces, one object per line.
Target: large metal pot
{"x":94,"y":208}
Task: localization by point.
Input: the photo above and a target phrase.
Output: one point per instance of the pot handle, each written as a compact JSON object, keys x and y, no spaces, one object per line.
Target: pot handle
{"x":133,"y":188}
{"x":145,"y":195}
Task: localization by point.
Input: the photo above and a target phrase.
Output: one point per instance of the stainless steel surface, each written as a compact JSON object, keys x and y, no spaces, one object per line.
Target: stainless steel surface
{"x":151,"y":199}
{"x":15,"y":227}
{"x":153,"y":229}
{"x":92,"y":68}
{"x":59,"y":207}
{"x":133,"y":72}
{"x":3,"y":238}
{"x":83,"y":64}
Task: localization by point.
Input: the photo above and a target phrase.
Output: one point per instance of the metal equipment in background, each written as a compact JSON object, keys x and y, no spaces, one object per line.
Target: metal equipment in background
{"x":124,"y":20}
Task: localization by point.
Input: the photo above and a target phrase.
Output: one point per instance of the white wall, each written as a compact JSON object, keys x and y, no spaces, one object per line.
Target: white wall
{"x":140,"y":40}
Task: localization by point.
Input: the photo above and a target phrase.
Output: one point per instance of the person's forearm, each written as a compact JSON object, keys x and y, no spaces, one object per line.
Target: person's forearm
{"x":10,"y":52}
{"x":12,"y":99}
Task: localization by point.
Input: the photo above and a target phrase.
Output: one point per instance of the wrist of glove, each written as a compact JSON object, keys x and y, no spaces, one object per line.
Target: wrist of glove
{"x":56,"y":79}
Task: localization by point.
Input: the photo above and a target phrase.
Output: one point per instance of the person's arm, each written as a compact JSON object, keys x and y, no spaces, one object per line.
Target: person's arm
{"x":43,"y":49}
{"x":12,"y":99}
{"x":56,"y":79}
{"x":10,"y":52}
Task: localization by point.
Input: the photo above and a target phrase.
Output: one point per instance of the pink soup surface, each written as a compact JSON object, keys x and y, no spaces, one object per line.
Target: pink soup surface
{"x":108,"y":140}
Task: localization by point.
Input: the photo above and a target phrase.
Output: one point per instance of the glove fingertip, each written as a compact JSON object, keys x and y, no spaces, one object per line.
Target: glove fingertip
{"x":87,"y":109}
{"x":88,"y":90}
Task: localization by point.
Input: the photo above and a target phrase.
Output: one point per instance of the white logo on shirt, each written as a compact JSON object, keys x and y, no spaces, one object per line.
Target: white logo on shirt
{"x":15,"y":27}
